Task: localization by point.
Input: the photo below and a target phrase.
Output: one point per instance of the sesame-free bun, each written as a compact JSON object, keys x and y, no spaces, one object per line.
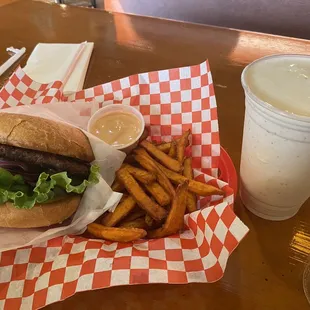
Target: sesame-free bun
{"x":40,"y":134}
{"x":40,"y":215}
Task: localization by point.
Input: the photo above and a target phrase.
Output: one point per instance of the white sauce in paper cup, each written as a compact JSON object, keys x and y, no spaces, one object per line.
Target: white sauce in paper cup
{"x":118,"y":125}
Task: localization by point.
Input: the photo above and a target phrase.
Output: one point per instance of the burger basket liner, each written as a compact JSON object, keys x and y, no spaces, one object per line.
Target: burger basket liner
{"x":171,"y":101}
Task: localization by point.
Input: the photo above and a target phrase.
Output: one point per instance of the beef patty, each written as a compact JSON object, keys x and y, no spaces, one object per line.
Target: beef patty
{"x":42,"y":160}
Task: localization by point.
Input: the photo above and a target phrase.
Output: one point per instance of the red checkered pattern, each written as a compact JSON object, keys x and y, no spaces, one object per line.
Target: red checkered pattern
{"x":20,"y":89}
{"x":171,"y":101}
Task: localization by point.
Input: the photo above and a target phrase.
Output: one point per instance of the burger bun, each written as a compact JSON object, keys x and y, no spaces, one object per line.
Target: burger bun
{"x":40,"y":215}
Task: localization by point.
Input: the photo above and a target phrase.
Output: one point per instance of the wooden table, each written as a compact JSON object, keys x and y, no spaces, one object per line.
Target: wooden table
{"x":265,"y":271}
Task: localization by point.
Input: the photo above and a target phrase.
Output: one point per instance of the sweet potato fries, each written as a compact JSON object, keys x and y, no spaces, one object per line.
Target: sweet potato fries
{"x":159,"y":188}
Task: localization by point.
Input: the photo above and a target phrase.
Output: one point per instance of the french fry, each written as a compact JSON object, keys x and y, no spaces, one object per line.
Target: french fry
{"x":188,"y":170}
{"x":141,"y":175}
{"x":144,"y":201}
{"x":137,"y":223}
{"x":162,"y":157}
{"x":175,"y":219}
{"x":148,"y":220}
{"x":181,"y":145}
{"x":151,"y":223}
{"x":123,"y":197}
{"x":153,"y":168}
{"x":191,"y":204}
{"x":135,"y":214}
{"x":158,"y":193}
{"x":144,"y":135}
{"x":117,"y":186}
{"x":149,"y":164}
{"x":120,"y":212}
{"x":173,"y":149}
{"x":141,"y":151}
{"x":115,"y":233}
{"x":164,"y":147}
{"x":195,"y":187}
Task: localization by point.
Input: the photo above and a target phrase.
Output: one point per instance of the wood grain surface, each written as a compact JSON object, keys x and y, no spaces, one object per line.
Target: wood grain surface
{"x":265,"y":271}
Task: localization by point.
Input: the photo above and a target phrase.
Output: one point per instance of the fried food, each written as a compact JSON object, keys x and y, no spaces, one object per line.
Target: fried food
{"x":149,"y":164}
{"x":173,"y":149}
{"x":164,"y":147}
{"x":148,"y":220}
{"x":159,"y":188}
{"x":175,"y":220}
{"x":188,"y":170}
{"x":191,"y":204}
{"x":141,"y":175}
{"x":135,"y":214}
{"x":195,"y":187}
{"x":158,"y":193}
{"x":123,"y":197}
{"x":162,"y":157}
{"x":137,"y":223}
{"x":120,"y":212}
{"x":142,"y":199}
{"x":117,"y":186}
{"x":181,"y":146}
{"x":141,"y":151}
{"x":118,"y":234}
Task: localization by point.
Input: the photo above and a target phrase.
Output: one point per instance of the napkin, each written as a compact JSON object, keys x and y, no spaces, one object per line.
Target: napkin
{"x":51,"y":62}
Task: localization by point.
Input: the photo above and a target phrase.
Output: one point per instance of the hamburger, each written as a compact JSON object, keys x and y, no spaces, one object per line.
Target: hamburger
{"x":44,"y":170}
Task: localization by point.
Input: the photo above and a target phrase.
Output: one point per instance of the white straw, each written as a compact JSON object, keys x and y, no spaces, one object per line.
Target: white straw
{"x":18,"y":53}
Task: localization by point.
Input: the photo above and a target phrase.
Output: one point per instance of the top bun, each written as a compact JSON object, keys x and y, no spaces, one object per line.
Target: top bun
{"x":40,"y":134}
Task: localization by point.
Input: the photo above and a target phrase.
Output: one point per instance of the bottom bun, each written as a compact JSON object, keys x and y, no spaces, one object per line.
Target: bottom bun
{"x":40,"y":215}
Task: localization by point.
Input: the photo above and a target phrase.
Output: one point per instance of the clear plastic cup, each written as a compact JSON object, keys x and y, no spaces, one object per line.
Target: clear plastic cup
{"x":275,"y":159}
{"x":306,"y":281}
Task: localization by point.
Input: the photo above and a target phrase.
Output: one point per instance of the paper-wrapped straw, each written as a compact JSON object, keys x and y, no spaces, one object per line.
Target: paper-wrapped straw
{"x":74,"y":62}
{"x":17,"y":54}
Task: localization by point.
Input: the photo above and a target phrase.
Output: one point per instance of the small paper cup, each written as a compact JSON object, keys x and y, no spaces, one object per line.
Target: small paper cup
{"x":122,"y":109}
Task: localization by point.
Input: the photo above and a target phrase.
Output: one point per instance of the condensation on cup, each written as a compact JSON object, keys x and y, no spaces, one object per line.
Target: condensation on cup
{"x":275,"y":159}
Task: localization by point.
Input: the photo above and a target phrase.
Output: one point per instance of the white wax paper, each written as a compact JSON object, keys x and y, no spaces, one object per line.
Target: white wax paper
{"x":96,"y":199}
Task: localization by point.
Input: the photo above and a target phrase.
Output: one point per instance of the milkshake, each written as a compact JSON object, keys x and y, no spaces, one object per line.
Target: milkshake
{"x":275,"y":159}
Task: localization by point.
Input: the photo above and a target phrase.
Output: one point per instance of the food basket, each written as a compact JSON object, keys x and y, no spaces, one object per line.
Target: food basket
{"x":171,"y":101}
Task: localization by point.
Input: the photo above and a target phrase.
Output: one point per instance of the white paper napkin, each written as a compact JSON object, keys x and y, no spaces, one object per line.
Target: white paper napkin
{"x":50,"y":62}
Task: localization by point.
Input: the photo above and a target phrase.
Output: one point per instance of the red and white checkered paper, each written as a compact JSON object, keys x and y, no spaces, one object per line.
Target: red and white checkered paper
{"x":171,"y":101}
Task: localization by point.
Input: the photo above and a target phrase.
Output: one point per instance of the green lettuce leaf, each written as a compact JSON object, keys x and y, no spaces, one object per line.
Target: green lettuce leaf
{"x":62,"y":180}
{"x":48,"y":187}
